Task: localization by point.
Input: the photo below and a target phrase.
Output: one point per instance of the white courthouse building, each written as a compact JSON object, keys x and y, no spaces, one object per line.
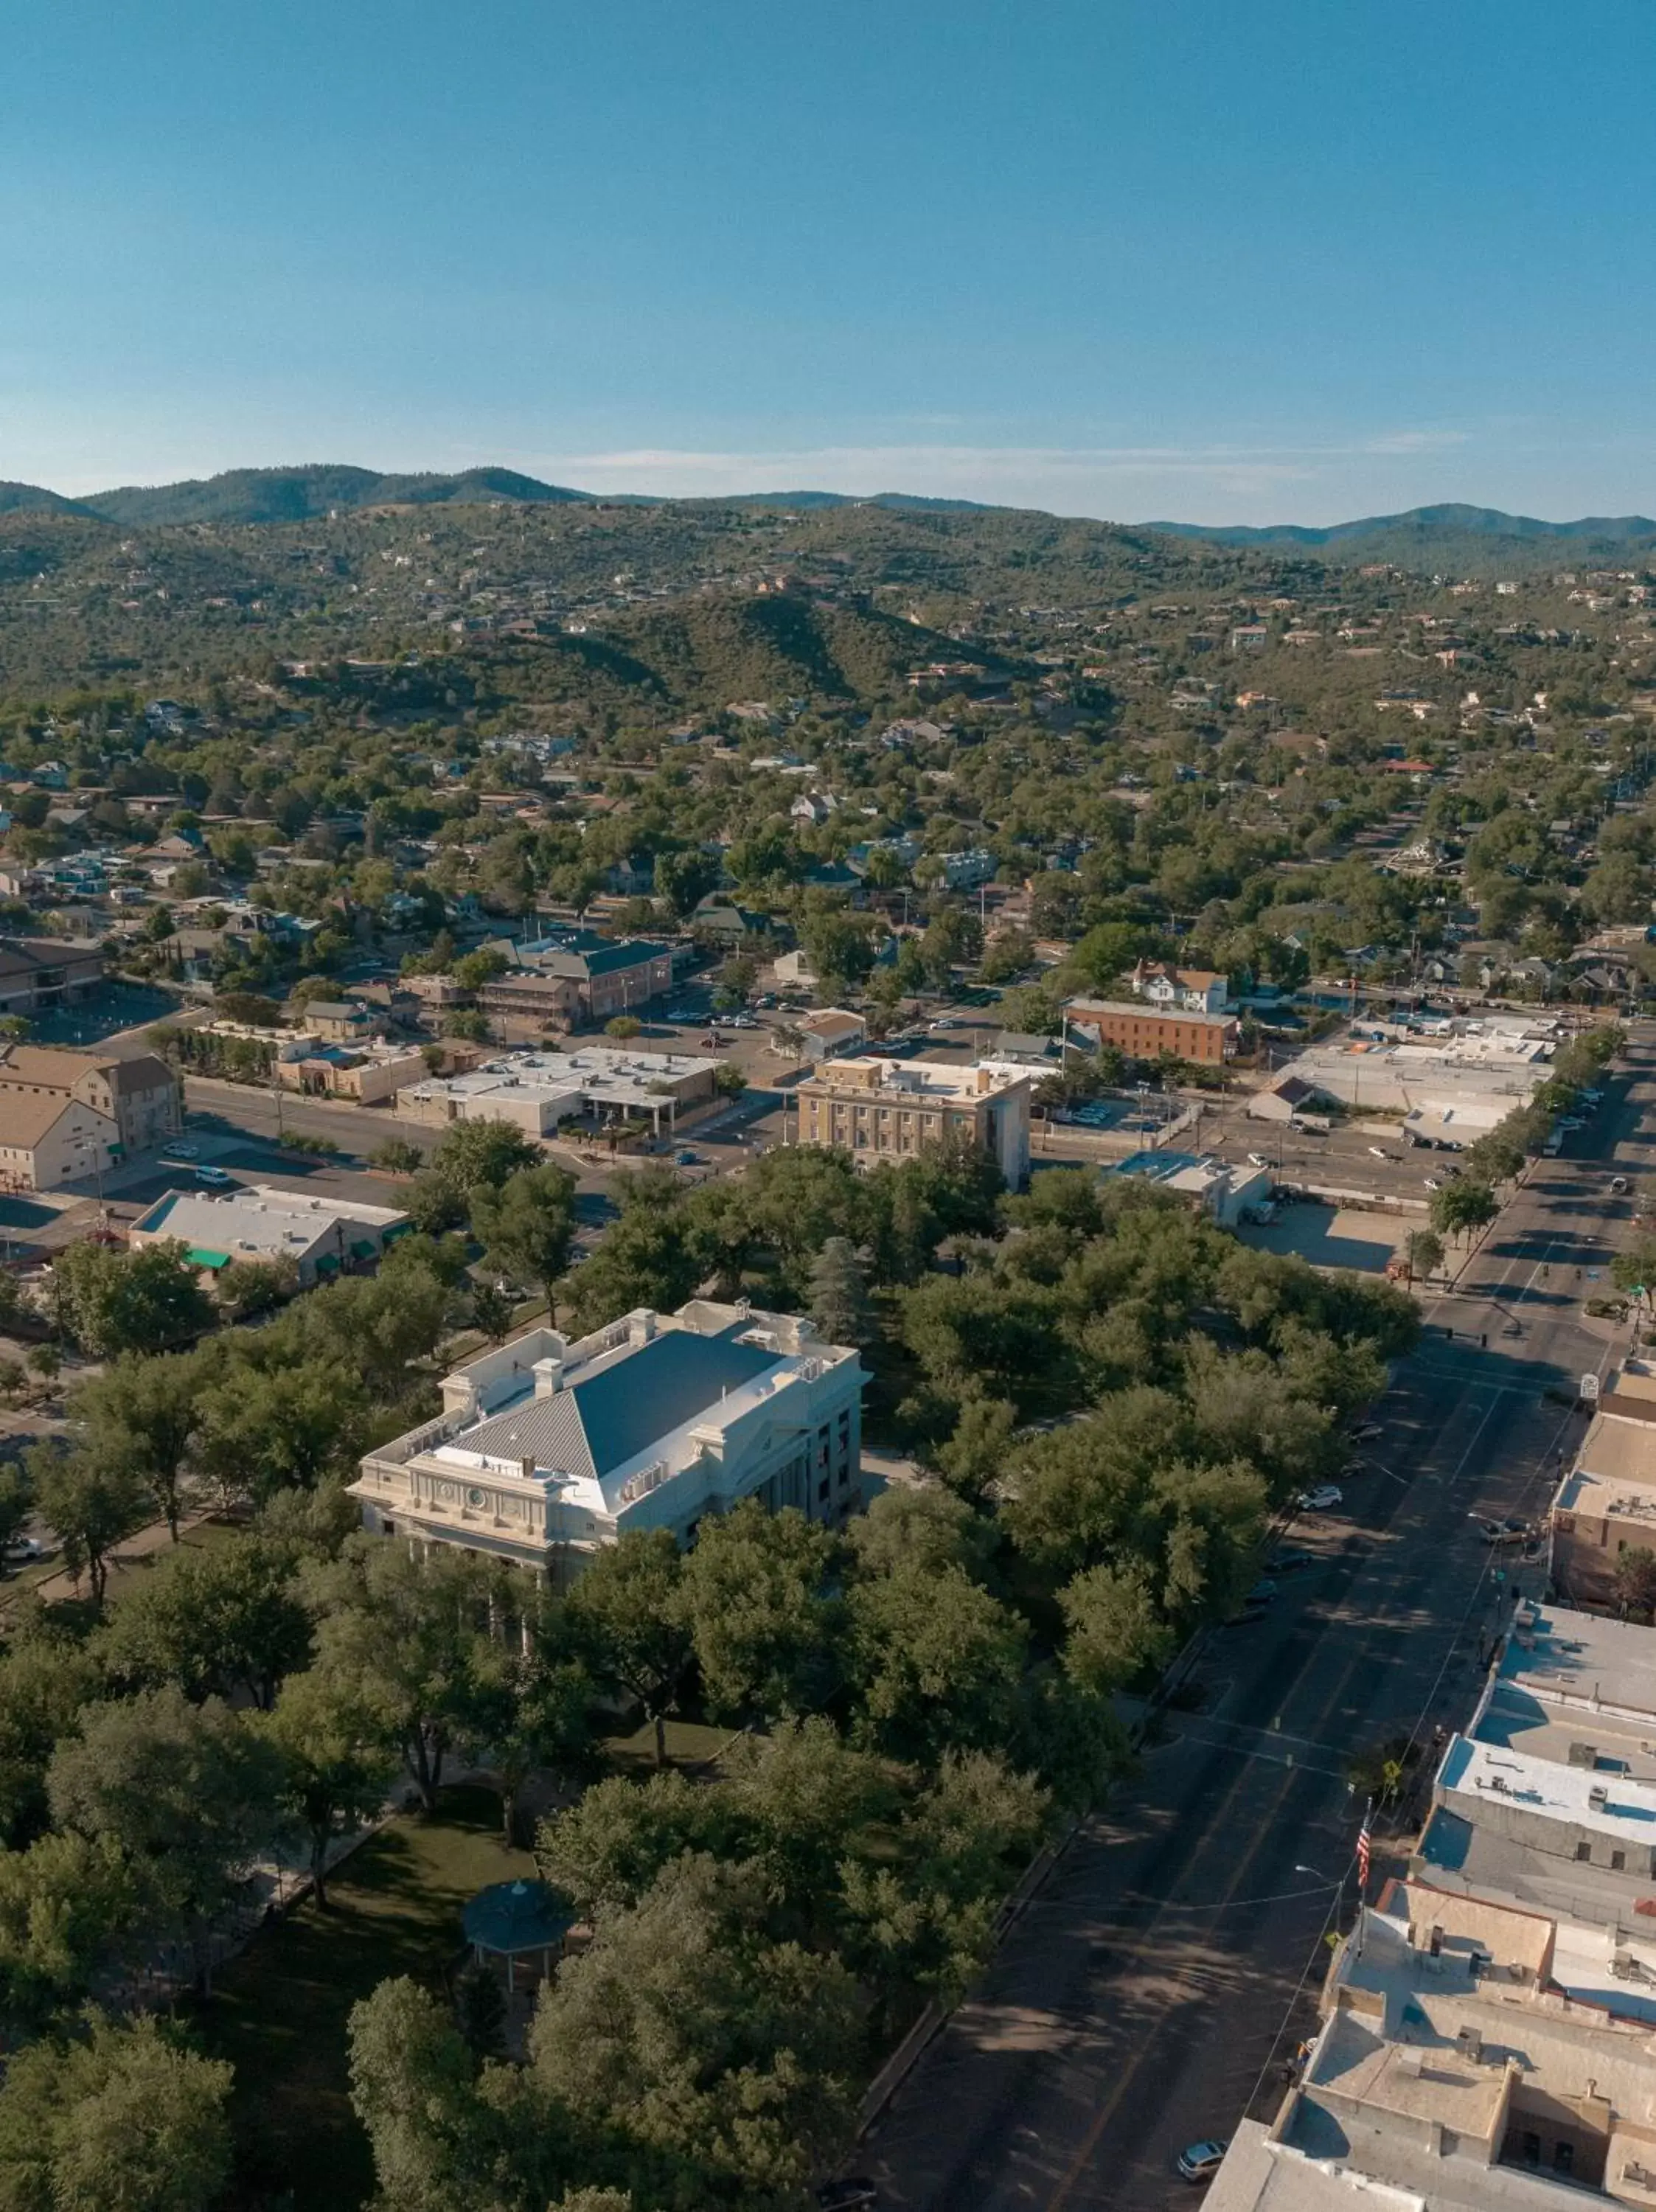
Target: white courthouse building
{"x":547,"y":1450}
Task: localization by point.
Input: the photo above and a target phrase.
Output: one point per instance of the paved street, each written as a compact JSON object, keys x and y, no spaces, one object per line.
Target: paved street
{"x":1149,"y":1993}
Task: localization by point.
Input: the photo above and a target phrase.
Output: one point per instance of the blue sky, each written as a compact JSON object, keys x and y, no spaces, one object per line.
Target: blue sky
{"x":1298,"y":260}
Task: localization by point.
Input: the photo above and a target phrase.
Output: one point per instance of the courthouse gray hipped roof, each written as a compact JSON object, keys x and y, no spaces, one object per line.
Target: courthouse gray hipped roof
{"x":594,"y":1425}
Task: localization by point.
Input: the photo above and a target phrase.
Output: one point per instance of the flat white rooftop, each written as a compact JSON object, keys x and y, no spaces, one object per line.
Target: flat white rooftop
{"x":262,"y":1220}
{"x":862,"y":1074}
{"x":596,"y":1072}
{"x":1475,"y":1777}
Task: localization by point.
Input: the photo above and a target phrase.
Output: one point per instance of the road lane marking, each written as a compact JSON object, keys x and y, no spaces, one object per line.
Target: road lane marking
{"x":1215,"y":1826}
{"x":1269,"y":1753}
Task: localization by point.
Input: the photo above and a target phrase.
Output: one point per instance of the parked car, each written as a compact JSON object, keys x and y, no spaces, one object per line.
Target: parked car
{"x":1322,"y":1499}
{"x":26,"y":1552}
{"x":1432,"y":1183}
{"x":855,"y":2194}
{"x":1511,"y":1531}
{"x":1380,"y":1153}
{"x":1200,"y":2161}
{"x":175,"y":1153}
{"x":215,"y":1178}
{"x":1257,"y":1160}
{"x":1292,"y":1562}
{"x":1619,"y":1185}
{"x":1367,"y":1432}
{"x":1263,"y":1592}
{"x":684,"y":1157}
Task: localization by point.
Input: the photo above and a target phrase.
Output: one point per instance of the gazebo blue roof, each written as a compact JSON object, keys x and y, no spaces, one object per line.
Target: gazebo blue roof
{"x":518,"y":1916}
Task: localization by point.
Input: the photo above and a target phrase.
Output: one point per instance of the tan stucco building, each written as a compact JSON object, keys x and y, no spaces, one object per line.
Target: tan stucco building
{"x":1605,"y":1506}
{"x":888,"y":1109}
{"x":142,"y":1100}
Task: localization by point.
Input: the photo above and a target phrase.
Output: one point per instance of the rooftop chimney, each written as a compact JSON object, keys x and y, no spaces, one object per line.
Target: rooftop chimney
{"x":641,"y":1327}
{"x":548,"y":1377}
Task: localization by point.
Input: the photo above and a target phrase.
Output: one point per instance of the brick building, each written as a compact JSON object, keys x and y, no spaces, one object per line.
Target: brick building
{"x":1144,"y":1030}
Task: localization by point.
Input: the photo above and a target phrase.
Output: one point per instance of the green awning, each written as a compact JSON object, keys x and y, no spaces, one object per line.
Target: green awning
{"x":202,"y":1256}
{"x":398,"y":1229}
{"x":327,"y":1263}
{"x":362,"y":1249}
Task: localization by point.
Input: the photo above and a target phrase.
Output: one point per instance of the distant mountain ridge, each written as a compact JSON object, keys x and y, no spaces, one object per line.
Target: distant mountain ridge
{"x":298,"y":495}
{"x":1448,"y":538}
{"x":1469,"y":521}
{"x":33,"y":498}
{"x":303,"y":493}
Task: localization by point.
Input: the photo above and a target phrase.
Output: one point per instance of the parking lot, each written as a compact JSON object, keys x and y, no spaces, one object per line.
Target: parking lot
{"x":1330,"y":1235}
{"x":1371,"y":1158}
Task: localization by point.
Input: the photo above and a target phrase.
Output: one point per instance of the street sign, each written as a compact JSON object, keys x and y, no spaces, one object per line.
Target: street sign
{"x":1589,"y":1386}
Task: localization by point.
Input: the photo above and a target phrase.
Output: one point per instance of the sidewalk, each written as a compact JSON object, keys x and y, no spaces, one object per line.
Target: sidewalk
{"x":142,"y":1544}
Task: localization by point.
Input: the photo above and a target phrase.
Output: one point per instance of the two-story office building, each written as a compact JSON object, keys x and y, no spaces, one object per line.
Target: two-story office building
{"x":545,"y":1451}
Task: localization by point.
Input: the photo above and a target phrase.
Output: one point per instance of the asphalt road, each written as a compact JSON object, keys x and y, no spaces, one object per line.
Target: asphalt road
{"x":1149,"y":1993}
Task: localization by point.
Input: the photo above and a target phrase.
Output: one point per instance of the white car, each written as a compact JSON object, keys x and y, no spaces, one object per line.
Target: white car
{"x":1200,"y":2161}
{"x":1432,"y":1183}
{"x":180,"y":1153}
{"x":1257,"y":1160}
{"x":1323,"y":1499}
{"x":1380,"y":1154}
{"x":26,"y":1552}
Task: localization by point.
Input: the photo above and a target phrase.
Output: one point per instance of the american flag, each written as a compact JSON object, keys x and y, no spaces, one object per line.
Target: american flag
{"x":1365,"y":1845}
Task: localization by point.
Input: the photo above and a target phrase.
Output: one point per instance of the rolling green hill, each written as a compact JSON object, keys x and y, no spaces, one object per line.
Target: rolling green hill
{"x":297,"y":494}
{"x":35,"y":499}
{"x":707,"y":651}
{"x":1472,"y":540}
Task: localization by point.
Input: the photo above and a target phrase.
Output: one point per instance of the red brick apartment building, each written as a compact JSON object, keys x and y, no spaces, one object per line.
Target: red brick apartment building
{"x":1144,"y":1031}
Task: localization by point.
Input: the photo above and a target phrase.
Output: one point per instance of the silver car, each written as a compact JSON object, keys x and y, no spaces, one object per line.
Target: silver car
{"x":1200,"y":2161}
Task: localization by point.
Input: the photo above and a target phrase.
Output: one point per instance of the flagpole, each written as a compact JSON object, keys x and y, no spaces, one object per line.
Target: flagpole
{"x":1365,"y":1848}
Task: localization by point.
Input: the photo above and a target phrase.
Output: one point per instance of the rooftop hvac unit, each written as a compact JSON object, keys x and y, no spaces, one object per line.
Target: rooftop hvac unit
{"x":1598,"y":1797}
{"x":1470,"y":2043}
{"x":1583,"y":1755}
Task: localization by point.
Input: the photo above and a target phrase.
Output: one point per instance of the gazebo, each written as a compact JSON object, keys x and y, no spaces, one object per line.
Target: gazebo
{"x":514,"y":1920}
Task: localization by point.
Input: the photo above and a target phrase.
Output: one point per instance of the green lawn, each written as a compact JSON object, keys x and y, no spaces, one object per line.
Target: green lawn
{"x":280,"y":2011}
{"x":689,"y":1743}
{"x":125,"y":1574}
